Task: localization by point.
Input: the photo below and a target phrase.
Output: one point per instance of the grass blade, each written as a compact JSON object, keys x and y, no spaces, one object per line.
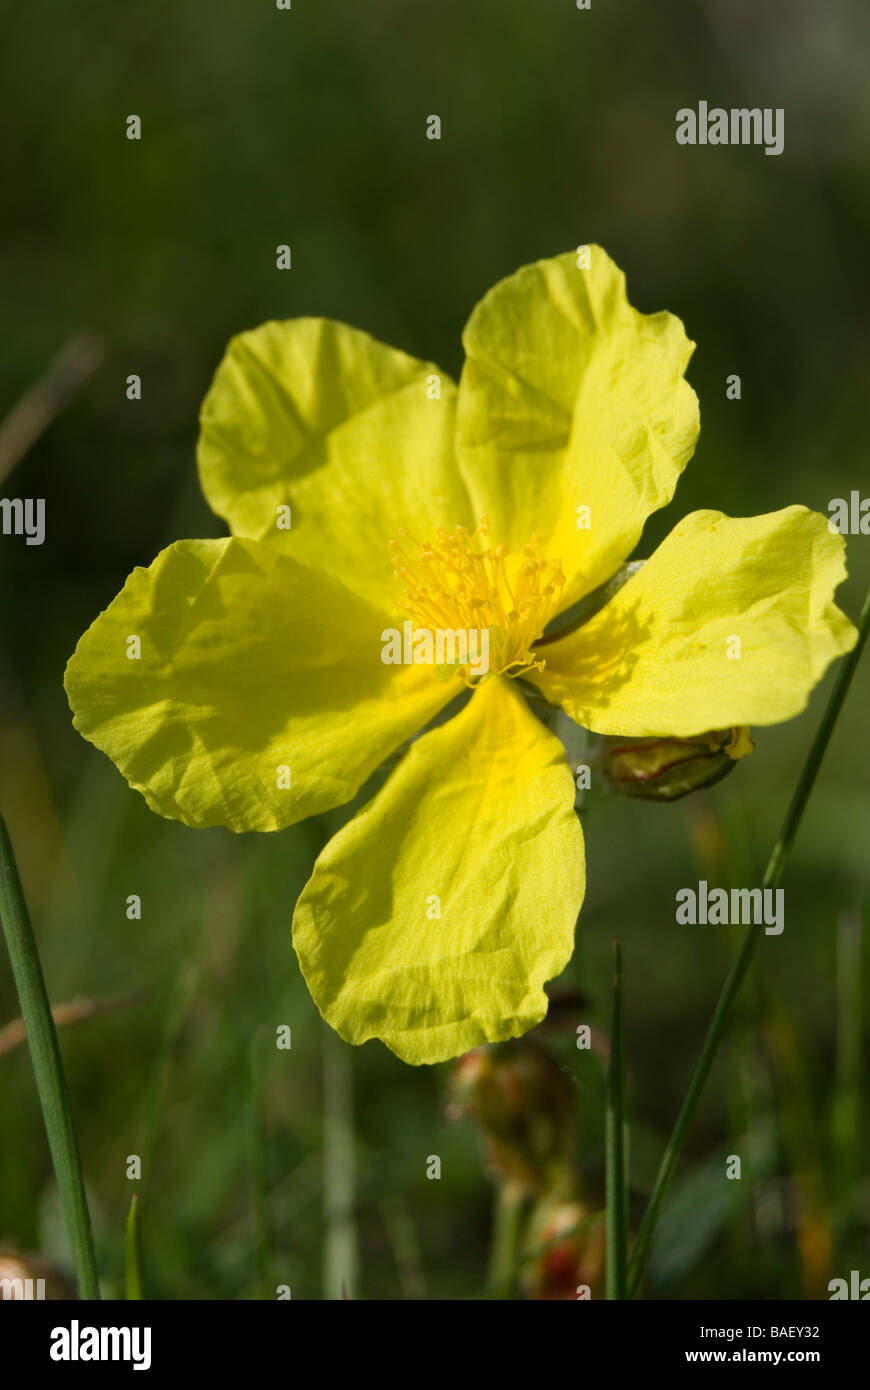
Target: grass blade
{"x":133,"y":1252}
{"x":47,"y":1067}
{"x":615,"y":1147}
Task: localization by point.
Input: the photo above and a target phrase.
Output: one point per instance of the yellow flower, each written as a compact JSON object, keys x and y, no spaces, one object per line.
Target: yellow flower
{"x":240,"y":682}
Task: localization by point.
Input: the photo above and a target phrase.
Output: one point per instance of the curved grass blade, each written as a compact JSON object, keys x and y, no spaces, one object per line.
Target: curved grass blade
{"x":47,"y":1067}
{"x":133,"y":1252}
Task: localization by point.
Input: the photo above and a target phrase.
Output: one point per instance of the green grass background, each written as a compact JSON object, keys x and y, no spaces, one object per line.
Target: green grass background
{"x":308,"y":127}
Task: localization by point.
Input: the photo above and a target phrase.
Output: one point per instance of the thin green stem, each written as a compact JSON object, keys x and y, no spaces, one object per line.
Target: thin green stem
{"x":133,"y":1252}
{"x":615,"y":1143}
{"x":47,"y":1067}
{"x":745,"y":953}
{"x":511,"y":1208}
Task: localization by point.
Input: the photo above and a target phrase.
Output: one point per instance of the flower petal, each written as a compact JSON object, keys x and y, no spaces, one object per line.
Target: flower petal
{"x":661,"y":656}
{"x":324,"y":419}
{"x":570,"y":398}
{"x":250,"y":663}
{"x":479,"y":816}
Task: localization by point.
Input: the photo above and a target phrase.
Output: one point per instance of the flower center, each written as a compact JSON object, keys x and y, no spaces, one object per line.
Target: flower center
{"x":459,"y":582}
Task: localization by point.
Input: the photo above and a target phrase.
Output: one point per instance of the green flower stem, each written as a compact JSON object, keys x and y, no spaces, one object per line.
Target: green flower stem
{"x":743,"y":959}
{"x":47,"y":1067}
{"x":133,"y":1252}
{"x":615,"y":1135}
{"x":511,"y":1210}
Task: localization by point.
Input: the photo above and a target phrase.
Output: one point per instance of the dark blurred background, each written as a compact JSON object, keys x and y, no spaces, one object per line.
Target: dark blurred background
{"x":307,"y":127}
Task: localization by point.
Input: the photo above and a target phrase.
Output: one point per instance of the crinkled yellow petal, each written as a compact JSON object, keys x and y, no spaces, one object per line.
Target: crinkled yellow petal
{"x":258,"y":696}
{"x":347,"y":432}
{"x":731,"y":621}
{"x":570,"y":399}
{"x":433,"y":919}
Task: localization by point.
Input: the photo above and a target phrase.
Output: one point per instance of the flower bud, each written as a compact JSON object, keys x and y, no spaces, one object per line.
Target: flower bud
{"x":523,"y":1104}
{"x":568,"y":1249}
{"x":664,"y":769}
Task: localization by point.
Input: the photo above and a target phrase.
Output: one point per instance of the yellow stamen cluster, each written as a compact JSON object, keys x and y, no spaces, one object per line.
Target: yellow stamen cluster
{"x":458,"y":581}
